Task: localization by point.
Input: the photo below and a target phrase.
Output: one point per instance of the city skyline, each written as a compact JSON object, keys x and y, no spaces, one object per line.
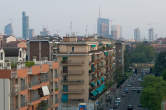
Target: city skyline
{"x":57,"y":19}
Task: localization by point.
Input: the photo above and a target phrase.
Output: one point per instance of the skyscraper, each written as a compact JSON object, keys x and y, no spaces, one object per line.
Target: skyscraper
{"x":8,"y":29}
{"x":25,"y":26}
{"x":116,"y":32}
{"x":151,"y":34}
{"x":137,"y":34}
{"x":44,"y":32}
{"x":103,"y":27}
{"x":31,"y":33}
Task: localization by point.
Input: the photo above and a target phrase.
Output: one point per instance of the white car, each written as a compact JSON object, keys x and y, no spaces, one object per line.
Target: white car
{"x":117,"y":100}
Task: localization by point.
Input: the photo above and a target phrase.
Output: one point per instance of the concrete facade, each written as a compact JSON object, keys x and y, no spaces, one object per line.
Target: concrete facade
{"x":85,"y":67}
{"x":30,"y":87}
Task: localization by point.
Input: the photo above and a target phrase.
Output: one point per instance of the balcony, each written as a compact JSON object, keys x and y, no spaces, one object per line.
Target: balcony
{"x":30,"y":71}
{"x":15,"y":90}
{"x":35,"y":97}
{"x":75,"y":72}
{"x":71,"y":62}
{"x":44,"y":78}
{"x":76,"y":100}
{"x":13,"y":74}
{"x":74,"y":91}
{"x":23,"y":87}
{"x":34,"y":82}
{"x":23,"y":103}
{"x":73,"y":82}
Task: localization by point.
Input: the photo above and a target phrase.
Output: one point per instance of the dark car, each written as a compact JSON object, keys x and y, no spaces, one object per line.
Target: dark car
{"x":126,"y":90}
{"x":130,"y":107}
{"x":123,"y":94}
{"x":138,"y":91}
{"x":139,"y":105}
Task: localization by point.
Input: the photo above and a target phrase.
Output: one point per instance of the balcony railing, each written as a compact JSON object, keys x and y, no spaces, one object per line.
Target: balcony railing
{"x":23,"y":103}
{"x":23,"y":87}
{"x":75,"y":91}
{"x":35,"y":97}
{"x":71,"y":62}
{"x":44,"y":78}
{"x":30,"y":71}
{"x":34,"y":82}
{"x":73,"y":81}
{"x":75,"y":72}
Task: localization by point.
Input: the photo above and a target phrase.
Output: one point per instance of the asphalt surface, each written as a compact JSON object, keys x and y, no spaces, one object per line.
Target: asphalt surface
{"x":130,"y":98}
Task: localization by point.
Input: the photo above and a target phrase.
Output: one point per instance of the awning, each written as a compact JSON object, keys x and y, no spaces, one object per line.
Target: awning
{"x":102,"y":78}
{"x":108,"y":45}
{"x":94,"y":93}
{"x":99,"y":82}
{"x":64,"y":97}
{"x":45,"y":90}
{"x":106,"y":53}
{"x":93,"y":46}
{"x":93,"y":84}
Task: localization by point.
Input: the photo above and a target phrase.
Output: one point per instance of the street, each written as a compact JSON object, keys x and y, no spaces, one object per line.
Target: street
{"x":129,"y":97}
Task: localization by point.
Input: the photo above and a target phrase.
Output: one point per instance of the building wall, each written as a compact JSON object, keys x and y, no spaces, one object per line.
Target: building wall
{"x":27,"y":86}
{"x":77,"y":65}
{"x":120,"y":57}
{"x":39,"y":49}
{"x":10,"y":39}
{"x":4,"y":94}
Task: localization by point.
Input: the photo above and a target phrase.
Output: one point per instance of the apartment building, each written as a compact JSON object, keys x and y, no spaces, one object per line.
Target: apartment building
{"x":120,"y":48}
{"x":38,"y":49}
{"x":29,"y":85}
{"x":85,"y":67}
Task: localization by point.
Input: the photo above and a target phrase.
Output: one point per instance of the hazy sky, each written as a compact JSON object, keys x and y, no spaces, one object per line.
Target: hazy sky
{"x":56,"y":15}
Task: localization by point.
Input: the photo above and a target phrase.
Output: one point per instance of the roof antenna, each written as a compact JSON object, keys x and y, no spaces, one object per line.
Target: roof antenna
{"x":86,"y":30}
{"x":99,"y":13}
{"x":71,"y":26}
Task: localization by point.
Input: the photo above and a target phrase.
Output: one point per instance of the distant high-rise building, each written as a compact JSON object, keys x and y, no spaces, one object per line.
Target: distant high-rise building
{"x":31,"y":33}
{"x":8,"y":29}
{"x":44,"y":32}
{"x":25,"y":26}
{"x":116,"y":32}
{"x":103,"y":27}
{"x":137,"y":34}
{"x":151,"y":34}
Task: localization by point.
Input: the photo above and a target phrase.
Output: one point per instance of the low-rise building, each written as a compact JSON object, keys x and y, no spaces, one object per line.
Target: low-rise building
{"x":28,"y":85}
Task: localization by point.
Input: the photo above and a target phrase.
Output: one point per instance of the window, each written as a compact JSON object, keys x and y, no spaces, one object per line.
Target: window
{"x":65,"y":88}
{"x":72,"y":49}
{"x":23,"y":101}
{"x":23,"y":84}
{"x":20,"y":54}
{"x":56,"y":74}
{"x":1,"y":56}
{"x":65,"y":69}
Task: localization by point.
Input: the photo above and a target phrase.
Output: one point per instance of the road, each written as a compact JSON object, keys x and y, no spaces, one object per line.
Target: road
{"x":131,"y":98}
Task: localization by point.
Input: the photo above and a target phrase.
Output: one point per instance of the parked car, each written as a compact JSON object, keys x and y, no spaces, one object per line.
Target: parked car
{"x":123,"y":94}
{"x":129,"y":85}
{"x":130,"y":107}
{"x":126,"y":90}
{"x":139,"y":105}
{"x":138,"y":91}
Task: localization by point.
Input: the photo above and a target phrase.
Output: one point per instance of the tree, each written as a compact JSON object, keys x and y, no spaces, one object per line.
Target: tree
{"x":160,"y":63}
{"x":154,"y":92}
{"x":141,"y":53}
{"x":164,"y":74}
